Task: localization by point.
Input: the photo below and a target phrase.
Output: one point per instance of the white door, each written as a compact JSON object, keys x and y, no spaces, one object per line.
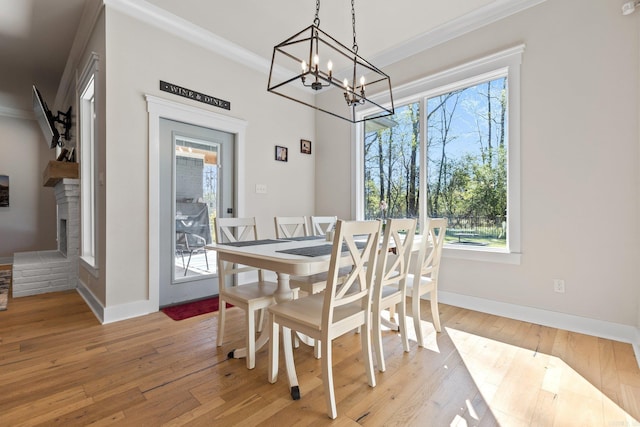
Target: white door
{"x":196,"y":184}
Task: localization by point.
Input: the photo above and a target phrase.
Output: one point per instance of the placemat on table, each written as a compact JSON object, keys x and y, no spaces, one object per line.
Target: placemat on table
{"x":302,"y":238}
{"x":251,"y":242}
{"x":319,"y":250}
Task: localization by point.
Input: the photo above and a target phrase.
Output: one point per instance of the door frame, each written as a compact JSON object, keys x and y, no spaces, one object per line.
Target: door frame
{"x":163,"y":108}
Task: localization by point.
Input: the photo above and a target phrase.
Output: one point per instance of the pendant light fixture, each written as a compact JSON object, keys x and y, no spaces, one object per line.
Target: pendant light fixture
{"x":311,"y":61}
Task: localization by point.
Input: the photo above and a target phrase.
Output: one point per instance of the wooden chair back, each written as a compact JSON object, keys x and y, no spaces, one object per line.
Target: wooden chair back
{"x":291,"y":226}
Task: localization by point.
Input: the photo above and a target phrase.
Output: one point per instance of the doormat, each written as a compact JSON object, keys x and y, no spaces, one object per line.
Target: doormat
{"x":191,"y":309}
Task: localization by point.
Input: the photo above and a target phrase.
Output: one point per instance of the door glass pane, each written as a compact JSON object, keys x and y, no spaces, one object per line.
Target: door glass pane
{"x":196,"y":205}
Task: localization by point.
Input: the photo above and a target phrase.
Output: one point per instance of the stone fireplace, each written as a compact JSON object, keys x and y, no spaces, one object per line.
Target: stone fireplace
{"x":55,"y":270}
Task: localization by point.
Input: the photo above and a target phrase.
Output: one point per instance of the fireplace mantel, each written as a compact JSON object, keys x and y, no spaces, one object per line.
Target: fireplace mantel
{"x":56,"y":170}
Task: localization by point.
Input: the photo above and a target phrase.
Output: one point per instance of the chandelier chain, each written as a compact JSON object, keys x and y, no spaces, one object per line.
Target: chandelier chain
{"x":316,"y":20}
{"x":353,"y":23}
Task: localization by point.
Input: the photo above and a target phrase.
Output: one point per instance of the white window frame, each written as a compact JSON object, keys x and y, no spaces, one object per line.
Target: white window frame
{"x":504,"y":63}
{"x":87,"y":88}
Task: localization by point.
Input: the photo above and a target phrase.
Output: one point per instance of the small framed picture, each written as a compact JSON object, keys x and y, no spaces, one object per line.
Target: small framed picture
{"x":282,"y":153}
{"x":4,"y":191}
{"x":305,"y":146}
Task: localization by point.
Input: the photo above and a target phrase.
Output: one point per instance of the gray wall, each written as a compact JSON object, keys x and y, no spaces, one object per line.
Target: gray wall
{"x":29,"y":223}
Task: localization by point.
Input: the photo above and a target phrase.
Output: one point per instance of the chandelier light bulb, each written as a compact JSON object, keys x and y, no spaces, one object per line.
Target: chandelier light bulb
{"x":303,"y":65}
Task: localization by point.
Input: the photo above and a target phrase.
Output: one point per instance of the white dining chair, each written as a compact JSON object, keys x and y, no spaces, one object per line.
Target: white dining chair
{"x":291,"y":226}
{"x":389,"y":288}
{"x":315,"y":283}
{"x":341,"y":308}
{"x":320,"y":225}
{"x":423,"y":278}
{"x":251,"y":297}
{"x":297,"y":227}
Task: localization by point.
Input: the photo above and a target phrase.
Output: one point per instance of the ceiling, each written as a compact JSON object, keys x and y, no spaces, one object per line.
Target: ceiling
{"x":35,"y":39}
{"x":36,"y":35}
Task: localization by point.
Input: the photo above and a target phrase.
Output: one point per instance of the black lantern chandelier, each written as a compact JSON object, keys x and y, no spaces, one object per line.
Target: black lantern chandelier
{"x":313,"y":59}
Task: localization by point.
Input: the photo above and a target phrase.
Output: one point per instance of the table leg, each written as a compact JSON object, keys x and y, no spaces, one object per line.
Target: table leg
{"x":283,"y":293}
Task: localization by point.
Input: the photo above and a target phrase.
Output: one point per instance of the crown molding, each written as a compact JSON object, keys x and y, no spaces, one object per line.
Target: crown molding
{"x":14,"y":113}
{"x":179,"y":27}
{"x":90,"y":15}
{"x":472,"y":21}
{"x":160,"y":18}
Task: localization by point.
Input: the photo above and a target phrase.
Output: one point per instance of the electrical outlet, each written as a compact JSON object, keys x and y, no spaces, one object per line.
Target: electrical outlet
{"x":261,"y":188}
{"x":558,"y":285}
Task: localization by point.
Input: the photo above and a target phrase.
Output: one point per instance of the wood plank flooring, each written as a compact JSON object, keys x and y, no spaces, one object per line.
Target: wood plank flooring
{"x":59,"y":366}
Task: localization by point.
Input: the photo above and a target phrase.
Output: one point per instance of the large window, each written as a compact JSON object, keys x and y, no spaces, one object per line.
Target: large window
{"x":467,"y":162}
{"x":87,"y":141}
{"x":451,"y":150}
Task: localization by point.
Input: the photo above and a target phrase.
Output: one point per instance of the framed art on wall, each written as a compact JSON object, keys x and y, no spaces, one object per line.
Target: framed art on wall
{"x":281,"y":153}
{"x":305,"y":146}
{"x":4,"y":191}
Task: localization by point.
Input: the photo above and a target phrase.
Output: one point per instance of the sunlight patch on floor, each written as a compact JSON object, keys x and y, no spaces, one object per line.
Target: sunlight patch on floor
{"x":429,"y":332}
{"x":524,"y":387}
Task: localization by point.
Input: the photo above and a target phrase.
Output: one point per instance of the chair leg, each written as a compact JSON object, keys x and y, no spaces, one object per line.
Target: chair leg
{"x":434,"y":310}
{"x":402,"y":323}
{"x":417,"y":324}
{"x":377,"y":337}
{"x":366,"y":352}
{"x":206,"y":258}
{"x":260,"y":320}
{"x":188,"y":262}
{"x":392,"y":313}
{"x":222,"y":309}
{"x":289,"y":363}
{"x":327,"y":379}
{"x":274,"y":347}
{"x":251,"y":338}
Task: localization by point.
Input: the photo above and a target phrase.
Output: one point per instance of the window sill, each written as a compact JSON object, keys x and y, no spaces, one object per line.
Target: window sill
{"x":88,"y":263}
{"x":500,"y":256}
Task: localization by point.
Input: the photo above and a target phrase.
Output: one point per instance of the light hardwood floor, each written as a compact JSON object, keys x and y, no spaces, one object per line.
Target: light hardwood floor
{"x":59,"y":366}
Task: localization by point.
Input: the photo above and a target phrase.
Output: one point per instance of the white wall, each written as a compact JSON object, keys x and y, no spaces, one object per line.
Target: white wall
{"x":29,"y":223}
{"x":94,"y":279}
{"x":580,"y":159}
{"x":139,"y":56}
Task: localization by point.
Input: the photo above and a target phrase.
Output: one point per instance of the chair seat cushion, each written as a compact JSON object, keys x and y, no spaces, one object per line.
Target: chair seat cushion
{"x":388,"y":291}
{"x":318,"y":278}
{"x":425,"y":283}
{"x":308,"y":311}
{"x":250,"y":291}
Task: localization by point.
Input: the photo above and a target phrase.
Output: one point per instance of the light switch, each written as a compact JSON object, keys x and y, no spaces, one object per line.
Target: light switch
{"x":261,"y":188}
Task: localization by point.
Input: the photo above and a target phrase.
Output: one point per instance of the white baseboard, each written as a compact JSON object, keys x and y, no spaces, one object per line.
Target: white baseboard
{"x":115,"y":313}
{"x":636,"y":346}
{"x":128,"y":311}
{"x":94,"y":304}
{"x":598,"y":328}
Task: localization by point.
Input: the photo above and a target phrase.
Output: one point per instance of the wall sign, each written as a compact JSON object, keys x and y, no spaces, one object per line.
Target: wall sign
{"x":192,"y":94}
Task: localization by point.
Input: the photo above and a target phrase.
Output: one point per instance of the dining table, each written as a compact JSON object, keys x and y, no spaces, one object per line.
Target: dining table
{"x":297,"y":256}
